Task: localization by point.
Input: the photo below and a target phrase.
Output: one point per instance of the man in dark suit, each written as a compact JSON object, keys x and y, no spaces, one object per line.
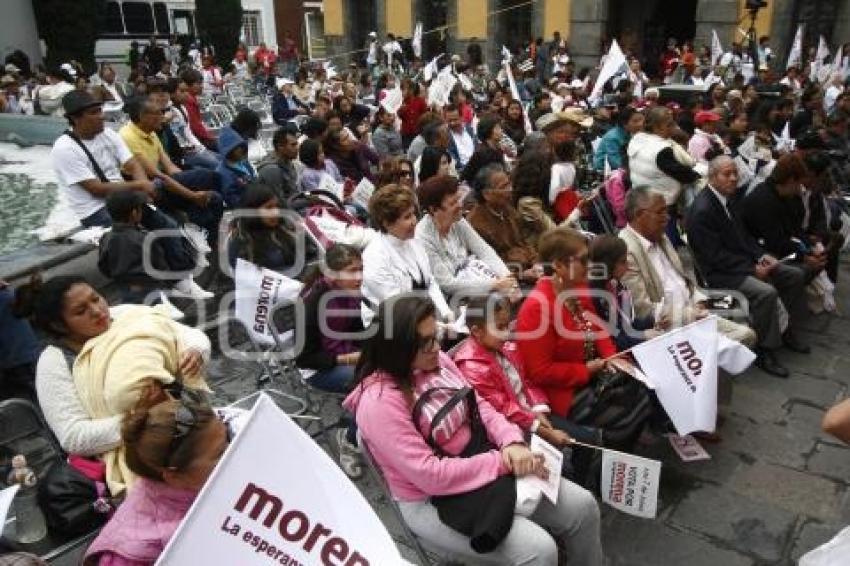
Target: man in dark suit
{"x":773,"y":213}
{"x":730,"y":258}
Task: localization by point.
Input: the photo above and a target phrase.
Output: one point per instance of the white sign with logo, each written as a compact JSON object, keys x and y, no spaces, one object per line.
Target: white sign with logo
{"x":630,"y":483}
{"x":257,"y":291}
{"x":277,"y":498}
{"x":682,"y":366}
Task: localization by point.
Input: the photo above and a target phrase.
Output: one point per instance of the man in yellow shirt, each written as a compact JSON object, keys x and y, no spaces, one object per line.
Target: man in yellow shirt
{"x":195,"y":192}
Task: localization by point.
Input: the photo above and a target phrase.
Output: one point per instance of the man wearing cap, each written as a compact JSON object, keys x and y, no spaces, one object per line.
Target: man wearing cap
{"x":88,"y":161}
{"x":286,"y":105}
{"x":194,"y":192}
{"x":705,"y":144}
{"x":11,"y":101}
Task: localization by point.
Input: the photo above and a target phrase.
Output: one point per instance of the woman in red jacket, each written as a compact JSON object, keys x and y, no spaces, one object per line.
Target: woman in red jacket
{"x":557,"y":331}
{"x":413,"y":106}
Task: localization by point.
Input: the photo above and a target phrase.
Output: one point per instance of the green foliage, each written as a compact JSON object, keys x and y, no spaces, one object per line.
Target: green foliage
{"x":69,"y":28}
{"x":219,"y":24}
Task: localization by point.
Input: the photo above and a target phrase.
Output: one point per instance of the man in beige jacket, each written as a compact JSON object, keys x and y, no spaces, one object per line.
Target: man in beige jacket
{"x":655,"y":277}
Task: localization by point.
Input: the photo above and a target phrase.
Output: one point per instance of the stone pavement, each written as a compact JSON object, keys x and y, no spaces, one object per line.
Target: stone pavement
{"x":776,"y":486}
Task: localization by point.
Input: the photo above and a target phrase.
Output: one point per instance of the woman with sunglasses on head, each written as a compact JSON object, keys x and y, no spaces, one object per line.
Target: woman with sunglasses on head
{"x":101,"y":361}
{"x":172,"y":446}
{"x":449,"y":458}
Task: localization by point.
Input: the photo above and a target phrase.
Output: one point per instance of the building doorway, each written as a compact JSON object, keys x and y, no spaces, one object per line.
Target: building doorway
{"x":513,"y":24}
{"x":433,"y":14}
{"x":364,"y":18}
{"x":642,"y":28}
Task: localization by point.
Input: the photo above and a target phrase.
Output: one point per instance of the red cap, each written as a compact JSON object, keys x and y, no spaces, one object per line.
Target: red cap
{"x":704,"y":116}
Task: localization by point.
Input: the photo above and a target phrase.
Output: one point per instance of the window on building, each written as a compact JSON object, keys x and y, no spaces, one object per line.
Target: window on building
{"x":183,"y":22}
{"x":252,"y":30}
{"x":113,"y":22}
{"x":160,"y":14}
{"x":138,"y":17}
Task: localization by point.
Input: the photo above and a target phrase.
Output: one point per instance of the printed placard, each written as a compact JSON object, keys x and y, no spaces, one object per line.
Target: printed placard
{"x":629,"y":483}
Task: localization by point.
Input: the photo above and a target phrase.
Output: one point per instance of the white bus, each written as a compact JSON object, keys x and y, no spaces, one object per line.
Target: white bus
{"x":138,"y":20}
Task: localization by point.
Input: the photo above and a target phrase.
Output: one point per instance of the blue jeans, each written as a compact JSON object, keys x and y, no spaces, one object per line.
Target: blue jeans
{"x":206,"y":217}
{"x":337,"y":380}
{"x":204,"y":159}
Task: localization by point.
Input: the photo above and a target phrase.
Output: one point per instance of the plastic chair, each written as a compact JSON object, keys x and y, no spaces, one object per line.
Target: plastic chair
{"x":283,"y":321}
{"x":413,"y":540}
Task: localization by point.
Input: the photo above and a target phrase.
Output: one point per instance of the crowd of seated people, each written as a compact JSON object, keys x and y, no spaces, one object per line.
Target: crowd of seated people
{"x":472,"y":206}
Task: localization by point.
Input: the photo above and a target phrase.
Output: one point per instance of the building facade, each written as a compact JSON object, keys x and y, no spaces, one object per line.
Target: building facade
{"x":641,"y":27}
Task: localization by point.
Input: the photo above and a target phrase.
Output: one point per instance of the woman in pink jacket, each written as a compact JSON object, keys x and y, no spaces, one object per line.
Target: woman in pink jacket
{"x":401,"y":369}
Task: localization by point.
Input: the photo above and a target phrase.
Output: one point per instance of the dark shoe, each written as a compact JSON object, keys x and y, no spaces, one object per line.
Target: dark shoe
{"x":793,"y":344}
{"x":768,"y":363}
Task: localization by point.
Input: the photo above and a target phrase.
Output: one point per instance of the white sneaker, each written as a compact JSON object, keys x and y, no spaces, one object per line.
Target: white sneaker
{"x":188,"y":288}
{"x":173,"y":312}
{"x":349,"y":456}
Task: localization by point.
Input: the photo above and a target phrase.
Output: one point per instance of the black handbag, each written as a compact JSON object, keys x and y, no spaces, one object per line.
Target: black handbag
{"x":70,"y":501}
{"x":615,"y":403}
{"x":486,"y":514}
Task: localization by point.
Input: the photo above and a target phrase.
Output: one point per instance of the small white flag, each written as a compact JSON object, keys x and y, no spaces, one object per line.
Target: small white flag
{"x":431,"y":68}
{"x":515,"y":94}
{"x":506,"y":55}
{"x":417,"y":40}
{"x":682,"y":364}
{"x":393,"y":100}
{"x":716,"y":48}
{"x":795,"y":56}
{"x":615,"y":60}
{"x":816,"y":70}
{"x":630,"y":483}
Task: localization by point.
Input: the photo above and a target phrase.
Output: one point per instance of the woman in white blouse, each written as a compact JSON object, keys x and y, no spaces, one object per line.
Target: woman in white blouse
{"x":462,"y":262}
{"x":393,"y":262}
{"x":71,"y":312}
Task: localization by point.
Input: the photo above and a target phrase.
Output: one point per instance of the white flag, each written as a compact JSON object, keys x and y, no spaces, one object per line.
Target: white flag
{"x":795,"y":57}
{"x":290,"y":504}
{"x":820,"y":56}
{"x":630,"y":483}
{"x":515,"y":94}
{"x":716,"y":48}
{"x":431,"y":68}
{"x":615,"y":60}
{"x":441,"y":87}
{"x":784,"y":142}
{"x":417,"y":40}
{"x":682,"y":364}
{"x":506,"y":55}
{"x":393,"y":100}
{"x":258,"y":290}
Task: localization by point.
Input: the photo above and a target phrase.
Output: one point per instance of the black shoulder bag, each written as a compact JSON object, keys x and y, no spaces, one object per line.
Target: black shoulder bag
{"x":486,"y":514}
{"x":95,"y":165}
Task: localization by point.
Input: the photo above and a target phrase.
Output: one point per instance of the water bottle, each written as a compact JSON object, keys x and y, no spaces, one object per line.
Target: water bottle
{"x":30,"y":525}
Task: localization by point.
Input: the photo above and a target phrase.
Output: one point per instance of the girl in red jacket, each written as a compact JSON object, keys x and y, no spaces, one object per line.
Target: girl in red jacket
{"x":493,"y":366}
